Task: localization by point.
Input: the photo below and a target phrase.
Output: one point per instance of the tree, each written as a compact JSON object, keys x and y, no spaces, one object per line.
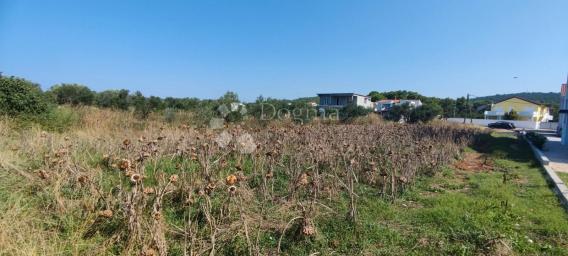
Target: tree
{"x":122,"y":100}
{"x":74,"y":94}
{"x":155,"y":103}
{"x":21,"y":97}
{"x":141,"y":107}
{"x":511,"y":115}
{"x":229,"y":97}
{"x":448,"y":106}
{"x":376,"y":96}
{"x":461,"y":107}
{"x":117,"y":99}
{"x":398,"y":112}
{"x":352,"y":111}
{"x":424,"y":113}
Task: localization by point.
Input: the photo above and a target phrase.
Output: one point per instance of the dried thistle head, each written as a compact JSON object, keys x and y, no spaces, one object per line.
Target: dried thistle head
{"x":124,"y":164}
{"x":43,"y":174}
{"x":303,"y":179}
{"x":210,"y":187}
{"x":148,"y":252}
{"x":149,"y":190}
{"x":83,"y":179}
{"x":157,"y":215}
{"x":135,"y":178}
{"x":231,"y":180}
{"x":232,"y":190}
{"x":174,"y":178}
{"x":106,"y":213}
{"x":308,"y":228}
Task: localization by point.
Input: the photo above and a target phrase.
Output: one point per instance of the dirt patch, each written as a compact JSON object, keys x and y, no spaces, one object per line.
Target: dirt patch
{"x":473,"y":161}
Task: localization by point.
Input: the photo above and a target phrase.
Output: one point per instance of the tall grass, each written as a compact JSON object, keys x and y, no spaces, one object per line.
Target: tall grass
{"x":113,"y":184}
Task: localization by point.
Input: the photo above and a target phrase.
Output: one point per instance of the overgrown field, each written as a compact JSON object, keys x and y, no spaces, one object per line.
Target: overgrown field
{"x":113,"y":185}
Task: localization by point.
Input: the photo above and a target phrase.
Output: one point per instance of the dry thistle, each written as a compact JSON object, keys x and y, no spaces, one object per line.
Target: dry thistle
{"x":149,"y":252}
{"x":308,"y":228}
{"x":106,"y":213}
{"x":232,"y":190}
{"x":149,"y":190}
{"x":303,"y":180}
{"x":157,"y":215}
{"x":135,"y":178}
{"x":83,"y":179}
{"x":210,"y":187}
{"x":124,"y":164}
{"x":43,"y":174}
{"x":174,"y":178}
{"x":231,"y":180}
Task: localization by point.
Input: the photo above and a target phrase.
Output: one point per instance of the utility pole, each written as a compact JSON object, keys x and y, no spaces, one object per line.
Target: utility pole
{"x":467,"y":106}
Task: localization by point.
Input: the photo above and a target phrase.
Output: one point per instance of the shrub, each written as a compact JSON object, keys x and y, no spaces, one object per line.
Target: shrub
{"x":117,"y":99}
{"x":424,"y":113}
{"x":74,"y":94}
{"x":538,"y":140}
{"x":21,"y":97}
{"x":511,"y":115}
{"x":142,"y":108}
{"x":397,"y":112}
{"x":352,"y":111}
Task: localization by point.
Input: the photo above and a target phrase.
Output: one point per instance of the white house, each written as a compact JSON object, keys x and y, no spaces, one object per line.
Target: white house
{"x":411,"y":103}
{"x":340,"y":100}
{"x":385,"y":105}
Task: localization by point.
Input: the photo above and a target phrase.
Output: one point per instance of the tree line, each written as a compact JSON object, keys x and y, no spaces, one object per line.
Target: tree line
{"x":19,"y":97}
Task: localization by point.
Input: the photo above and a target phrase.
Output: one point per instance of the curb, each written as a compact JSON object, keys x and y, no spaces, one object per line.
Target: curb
{"x":560,"y":188}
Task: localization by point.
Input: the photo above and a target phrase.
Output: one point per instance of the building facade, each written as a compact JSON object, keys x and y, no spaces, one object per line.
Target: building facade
{"x":527,"y":110}
{"x":563,"y":114}
{"x":340,"y":100}
{"x":386,"y":105}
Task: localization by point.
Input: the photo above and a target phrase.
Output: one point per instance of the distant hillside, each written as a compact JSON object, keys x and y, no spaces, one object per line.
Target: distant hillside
{"x":543,"y":97}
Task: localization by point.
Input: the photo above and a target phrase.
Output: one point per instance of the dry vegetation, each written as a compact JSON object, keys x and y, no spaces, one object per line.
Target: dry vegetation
{"x":115,"y":185}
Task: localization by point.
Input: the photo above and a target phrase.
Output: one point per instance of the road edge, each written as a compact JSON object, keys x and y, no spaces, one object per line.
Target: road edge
{"x":560,"y":188}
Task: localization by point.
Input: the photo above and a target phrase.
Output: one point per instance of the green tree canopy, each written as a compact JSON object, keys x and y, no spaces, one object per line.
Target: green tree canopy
{"x":376,"y":96}
{"x":74,"y":94}
{"x":21,"y":97}
{"x":424,"y":113}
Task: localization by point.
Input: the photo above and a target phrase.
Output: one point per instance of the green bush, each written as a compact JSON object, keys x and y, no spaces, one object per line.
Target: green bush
{"x":511,"y":115}
{"x":74,"y":94}
{"x":142,"y":107}
{"x":351,"y":111}
{"x":19,"y":97}
{"x":424,"y":113}
{"x":538,"y":140}
{"x":397,"y":112}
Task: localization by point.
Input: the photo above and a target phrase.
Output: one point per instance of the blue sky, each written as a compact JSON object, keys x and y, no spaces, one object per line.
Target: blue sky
{"x":288,"y":49}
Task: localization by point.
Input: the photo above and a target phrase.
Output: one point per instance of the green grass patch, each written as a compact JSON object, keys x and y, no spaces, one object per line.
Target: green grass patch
{"x":454,"y":213}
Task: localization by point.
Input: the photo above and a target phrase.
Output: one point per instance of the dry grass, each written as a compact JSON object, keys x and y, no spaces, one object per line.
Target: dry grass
{"x":114,"y":184}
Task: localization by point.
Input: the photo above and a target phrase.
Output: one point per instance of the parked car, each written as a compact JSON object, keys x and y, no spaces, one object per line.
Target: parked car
{"x":502,"y":125}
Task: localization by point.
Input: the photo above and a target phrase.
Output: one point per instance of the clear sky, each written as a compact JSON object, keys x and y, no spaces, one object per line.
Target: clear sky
{"x":286,"y":48}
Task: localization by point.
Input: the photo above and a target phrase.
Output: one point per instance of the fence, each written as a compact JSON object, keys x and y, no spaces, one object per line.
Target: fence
{"x":518,"y":124}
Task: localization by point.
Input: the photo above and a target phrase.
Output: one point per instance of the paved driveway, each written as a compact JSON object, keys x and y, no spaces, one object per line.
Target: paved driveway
{"x":557,"y":154}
